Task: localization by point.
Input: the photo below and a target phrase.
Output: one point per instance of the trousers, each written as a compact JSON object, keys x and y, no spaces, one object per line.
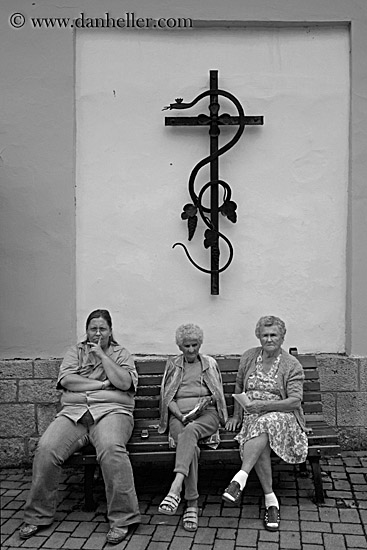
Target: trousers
{"x":61,"y":439}
{"x":187,"y":448}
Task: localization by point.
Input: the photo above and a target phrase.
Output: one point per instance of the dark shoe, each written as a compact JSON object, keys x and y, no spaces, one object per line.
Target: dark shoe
{"x":233,"y":493}
{"x":28,"y":530}
{"x":272,"y":518}
{"x":116,"y":534}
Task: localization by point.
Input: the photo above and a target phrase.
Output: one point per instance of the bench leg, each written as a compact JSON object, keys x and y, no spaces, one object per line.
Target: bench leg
{"x":89,"y":504}
{"x":303,"y":469}
{"x":317,"y":478}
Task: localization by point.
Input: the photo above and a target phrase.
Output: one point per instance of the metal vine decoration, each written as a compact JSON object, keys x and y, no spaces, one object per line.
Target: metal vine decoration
{"x":210,"y":216}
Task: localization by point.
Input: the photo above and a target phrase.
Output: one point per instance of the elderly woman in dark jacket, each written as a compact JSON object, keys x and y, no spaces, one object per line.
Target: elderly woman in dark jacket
{"x":268,"y":395}
{"x":192,"y":408}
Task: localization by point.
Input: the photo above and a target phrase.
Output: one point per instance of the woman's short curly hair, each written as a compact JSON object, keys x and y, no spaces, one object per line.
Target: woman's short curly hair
{"x":189,"y":331}
{"x":268,"y":321}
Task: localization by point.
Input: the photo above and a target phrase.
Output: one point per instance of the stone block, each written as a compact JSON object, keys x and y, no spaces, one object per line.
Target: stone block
{"x":12,"y":452}
{"x":363,"y":440}
{"x":31,"y":447}
{"x":44,"y":368}
{"x":56,"y":540}
{"x":363,"y":373}
{"x":338,"y":373}
{"x":45,"y":414}
{"x":349,"y":438}
{"x":17,"y":420}
{"x":352,"y":409}
{"x":38,"y":391}
{"x":329,"y":407}
{"x":16,"y":369}
{"x":8,"y":391}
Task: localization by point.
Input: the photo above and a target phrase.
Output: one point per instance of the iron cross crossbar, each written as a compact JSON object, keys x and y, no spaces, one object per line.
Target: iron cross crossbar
{"x":210,"y":215}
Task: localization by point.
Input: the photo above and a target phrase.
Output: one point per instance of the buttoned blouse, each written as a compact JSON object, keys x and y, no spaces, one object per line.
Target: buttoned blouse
{"x":79,"y":360}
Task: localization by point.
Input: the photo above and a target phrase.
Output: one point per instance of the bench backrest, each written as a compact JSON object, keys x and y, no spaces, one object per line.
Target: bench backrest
{"x":151,"y":373}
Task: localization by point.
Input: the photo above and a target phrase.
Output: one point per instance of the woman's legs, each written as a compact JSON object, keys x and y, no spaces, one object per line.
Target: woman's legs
{"x":61,"y":439}
{"x":256,"y":453}
{"x":264,"y":471}
{"x":110,"y":436}
{"x":188,"y":452}
{"x":252,"y":450}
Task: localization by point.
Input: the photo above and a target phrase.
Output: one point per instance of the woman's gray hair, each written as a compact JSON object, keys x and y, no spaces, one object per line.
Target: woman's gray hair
{"x":189,"y":331}
{"x":268,"y":321}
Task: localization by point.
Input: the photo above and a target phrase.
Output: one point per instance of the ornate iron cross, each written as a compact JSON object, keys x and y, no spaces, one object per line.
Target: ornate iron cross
{"x":210,"y":216}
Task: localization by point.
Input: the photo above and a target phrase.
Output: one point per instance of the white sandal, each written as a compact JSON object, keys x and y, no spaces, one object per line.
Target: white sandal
{"x":171,"y":501}
{"x":190,"y":518}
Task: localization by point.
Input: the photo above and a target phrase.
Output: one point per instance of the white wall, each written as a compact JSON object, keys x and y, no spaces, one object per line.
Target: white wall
{"x":288,"y":177}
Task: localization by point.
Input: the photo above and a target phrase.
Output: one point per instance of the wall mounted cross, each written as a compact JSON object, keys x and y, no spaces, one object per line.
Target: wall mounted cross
{"x":210,"y":215}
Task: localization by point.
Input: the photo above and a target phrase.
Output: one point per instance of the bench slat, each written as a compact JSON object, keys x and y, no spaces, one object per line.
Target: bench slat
{"x":311,"y":374}
{"x":314,"y":418}
{"x":311,"y":386}
{"x":150,"y":379}
{"x":310,"y":407}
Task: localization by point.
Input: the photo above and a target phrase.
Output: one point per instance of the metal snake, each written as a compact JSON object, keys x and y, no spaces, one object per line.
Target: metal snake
{"x":197,"y":198}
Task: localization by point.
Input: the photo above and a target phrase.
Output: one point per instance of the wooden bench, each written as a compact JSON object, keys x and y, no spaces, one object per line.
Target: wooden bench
{"x":147,"y":446}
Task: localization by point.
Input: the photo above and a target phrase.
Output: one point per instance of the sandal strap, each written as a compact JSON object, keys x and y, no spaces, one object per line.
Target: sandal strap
{"x":171,"y":501}
{"x":174,"y":499}
{"x":191,"y":514}
{"x":190,"y":518}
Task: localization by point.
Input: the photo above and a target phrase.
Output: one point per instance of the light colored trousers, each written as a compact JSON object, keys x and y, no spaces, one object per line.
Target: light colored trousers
{"x":61,"y":439}
{"x":187,"y":449}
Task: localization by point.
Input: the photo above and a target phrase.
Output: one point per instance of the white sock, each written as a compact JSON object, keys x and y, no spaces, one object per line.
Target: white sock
{"x":271,"y":500}
{"x":241,"y":478}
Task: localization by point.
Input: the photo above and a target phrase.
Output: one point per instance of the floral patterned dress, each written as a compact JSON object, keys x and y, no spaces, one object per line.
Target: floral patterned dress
{"x":286,"y":437}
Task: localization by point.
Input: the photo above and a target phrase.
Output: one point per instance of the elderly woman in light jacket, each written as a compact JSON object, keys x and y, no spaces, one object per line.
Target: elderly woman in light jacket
{"x":191,"y":381}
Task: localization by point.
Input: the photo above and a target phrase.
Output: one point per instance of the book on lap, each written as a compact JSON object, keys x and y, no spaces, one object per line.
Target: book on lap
{"x":203,"y":403}
{"x":242,"y":399}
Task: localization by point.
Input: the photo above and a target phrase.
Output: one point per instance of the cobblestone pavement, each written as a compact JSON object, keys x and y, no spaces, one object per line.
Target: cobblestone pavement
{"x":338,"y":524}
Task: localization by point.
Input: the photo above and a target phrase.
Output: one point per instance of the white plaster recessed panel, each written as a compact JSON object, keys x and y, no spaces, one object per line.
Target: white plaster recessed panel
{"x":289,"y":179}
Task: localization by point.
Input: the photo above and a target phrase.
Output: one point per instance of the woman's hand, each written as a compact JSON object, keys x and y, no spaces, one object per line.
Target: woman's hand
{"x":233,"y":423}
{"x":96,"y":348}
{"x":185,"y":420}
{"x":257,"y":406}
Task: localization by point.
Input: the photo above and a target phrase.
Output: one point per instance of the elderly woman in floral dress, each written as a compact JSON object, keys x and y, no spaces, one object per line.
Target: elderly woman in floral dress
{"x":269,"y":391}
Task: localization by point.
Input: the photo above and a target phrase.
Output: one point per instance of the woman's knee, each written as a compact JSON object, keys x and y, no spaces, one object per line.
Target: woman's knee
{"x":191,"y":430}
{"x":111,"y":450}
{"x":47,"y":453}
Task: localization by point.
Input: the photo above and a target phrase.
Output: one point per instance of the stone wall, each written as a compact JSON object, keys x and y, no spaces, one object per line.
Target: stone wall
{"x":343,"y":383}
{"x":29,"y":401}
